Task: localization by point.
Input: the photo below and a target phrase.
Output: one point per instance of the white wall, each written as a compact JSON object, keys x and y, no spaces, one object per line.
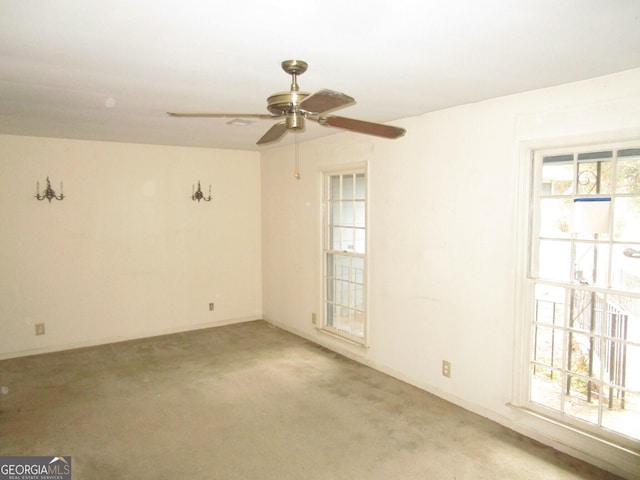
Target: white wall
{"x":444,"y":226}
{"x":127,"y":253}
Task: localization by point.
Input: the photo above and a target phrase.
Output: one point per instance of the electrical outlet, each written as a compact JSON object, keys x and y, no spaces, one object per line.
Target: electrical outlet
{"x":39,"y":328}
{"x":313,"y":318}
{"x":211,"y":305}
{"x":446,"y":369}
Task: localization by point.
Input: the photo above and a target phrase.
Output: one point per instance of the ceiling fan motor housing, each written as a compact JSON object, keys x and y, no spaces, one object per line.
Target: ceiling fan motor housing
{"x":285,"y":102}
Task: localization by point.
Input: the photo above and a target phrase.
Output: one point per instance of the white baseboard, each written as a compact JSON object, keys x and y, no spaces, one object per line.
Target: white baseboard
{"x":105,"y":341}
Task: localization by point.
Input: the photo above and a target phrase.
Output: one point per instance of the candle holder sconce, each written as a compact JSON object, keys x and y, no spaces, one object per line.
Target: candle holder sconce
{"x":198,"y":195}
{"x":49,"y":193}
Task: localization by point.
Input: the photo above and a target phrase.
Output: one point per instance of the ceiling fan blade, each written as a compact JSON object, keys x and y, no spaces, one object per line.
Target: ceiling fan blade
{"x":360,"y":126}
{"x":223,"y":115}
{"x":324,"y":101}
{"x":274,"y":134}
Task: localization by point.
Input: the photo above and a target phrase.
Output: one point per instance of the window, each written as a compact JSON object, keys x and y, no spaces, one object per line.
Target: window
{"x":344,"y":250}
{"x":584,"y":283}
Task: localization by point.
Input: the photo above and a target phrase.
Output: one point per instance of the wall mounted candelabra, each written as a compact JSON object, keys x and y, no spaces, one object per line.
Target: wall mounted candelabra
{"x":49,"y":193}
{"x":198,"y":195}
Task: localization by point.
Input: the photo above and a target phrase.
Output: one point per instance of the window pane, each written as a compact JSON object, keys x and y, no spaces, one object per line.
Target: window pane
{"x":360,"y":214}
{"x":542,"y":337}
{"x":546,"y":387}
{"x":348,"y":240}
{"x":627,"y":312}
{"x":580,"y":353}
{"x":344,"y":319}
{"x":620,"y":361}
{"x":347,"y":187}
{"x":358,"y":326}
{"x":548,"y":346}
{"x":351,"y":303}
{"x":339,"y":293}
{"x":358,"y":270}
{"x":343,"y":267}
{"x":624,"y":415}
{"x":360,"y":241}
{"x":330,"y":315}
{"x":360,"y":187}
{"x":554,"y":260}
{"x":557,"y":176}
{"x":550,"y":304}
{"x":555,"y":217}
{"x":348,"y":214}
{"x":581,"y":399}
{"x":335,"y":192}
{"x":335,"y":213}
{"x":626,"y":219}
{"x":346,"y":294}
{"x":336,"y":238}
{"x":330,"y":289}
{"x":359,"y":297}
{"x":330,"y":266}
{"x":618,"y":367}
{"x":582,"y":309}
{"x":625,"y":270}
{"x":628,"y":175}
{"x":594,"y":177}
{"x":592,"y":264}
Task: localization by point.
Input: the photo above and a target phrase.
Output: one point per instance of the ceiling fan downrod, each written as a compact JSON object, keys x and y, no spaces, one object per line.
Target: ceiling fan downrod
{"x":294,"y":68}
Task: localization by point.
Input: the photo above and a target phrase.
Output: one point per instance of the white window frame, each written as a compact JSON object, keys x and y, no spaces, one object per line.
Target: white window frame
{"x":570,"y":433}
{"x":354,"y":168}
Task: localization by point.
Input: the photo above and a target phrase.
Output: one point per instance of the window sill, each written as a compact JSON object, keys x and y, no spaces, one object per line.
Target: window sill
{"x":603,"y":453}
{"x":351,"y":341}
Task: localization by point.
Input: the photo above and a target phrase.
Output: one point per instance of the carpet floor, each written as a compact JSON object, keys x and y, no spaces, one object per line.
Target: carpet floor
{"x":250,"y":401}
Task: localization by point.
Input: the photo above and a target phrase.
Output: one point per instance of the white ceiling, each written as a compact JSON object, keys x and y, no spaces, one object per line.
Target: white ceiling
{"x":109,"y":70}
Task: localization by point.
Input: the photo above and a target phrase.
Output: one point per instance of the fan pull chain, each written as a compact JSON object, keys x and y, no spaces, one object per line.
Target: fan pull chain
{"x":296,"y":172}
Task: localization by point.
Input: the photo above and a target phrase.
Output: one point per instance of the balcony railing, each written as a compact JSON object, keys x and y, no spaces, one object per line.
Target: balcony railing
{"x":597,"y":339}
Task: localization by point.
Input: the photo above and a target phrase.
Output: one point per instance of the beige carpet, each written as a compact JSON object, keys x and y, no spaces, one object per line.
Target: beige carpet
{"x":250,"y":401}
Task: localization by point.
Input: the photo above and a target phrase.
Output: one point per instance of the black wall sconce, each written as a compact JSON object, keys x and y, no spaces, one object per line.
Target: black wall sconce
{"x":48,"y":193}
{"x":198,"y":195}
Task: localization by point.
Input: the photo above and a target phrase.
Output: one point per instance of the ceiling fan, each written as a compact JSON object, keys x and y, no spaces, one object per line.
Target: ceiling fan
{"x":294,"y":106}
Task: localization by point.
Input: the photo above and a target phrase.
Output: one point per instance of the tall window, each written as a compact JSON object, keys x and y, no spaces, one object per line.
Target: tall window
{"x":345,"y":245}
{"x":584,"y":276}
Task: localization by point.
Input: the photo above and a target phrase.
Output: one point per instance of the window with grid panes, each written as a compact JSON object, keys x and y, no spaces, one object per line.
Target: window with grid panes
{"x":584,"y":360}
{"x":344,"y":232}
